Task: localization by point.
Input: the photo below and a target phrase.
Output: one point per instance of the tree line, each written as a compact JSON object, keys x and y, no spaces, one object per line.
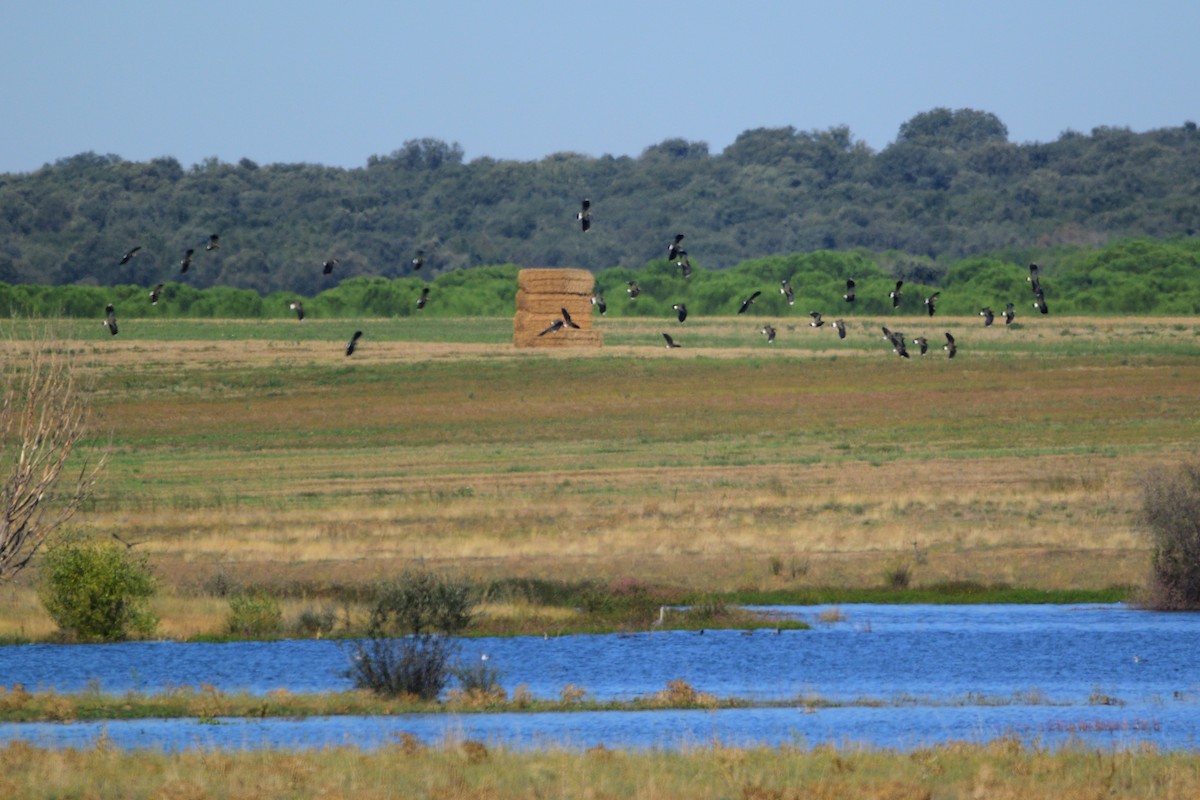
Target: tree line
{"x":1132,"y":276}
{"x":952,"y":185}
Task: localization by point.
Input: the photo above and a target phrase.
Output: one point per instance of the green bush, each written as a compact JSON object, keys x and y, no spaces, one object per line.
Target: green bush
{"x":1171,"y":512}
{"x":97,"y":591}
{"x":410,"y":650}
{"x":254,"y":614}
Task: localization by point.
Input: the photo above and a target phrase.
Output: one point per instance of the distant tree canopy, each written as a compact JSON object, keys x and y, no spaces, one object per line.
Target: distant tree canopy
{"x":951,"y":186}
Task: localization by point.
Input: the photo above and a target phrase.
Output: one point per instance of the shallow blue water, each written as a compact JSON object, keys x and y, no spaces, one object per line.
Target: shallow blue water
{"x":945,"y":666}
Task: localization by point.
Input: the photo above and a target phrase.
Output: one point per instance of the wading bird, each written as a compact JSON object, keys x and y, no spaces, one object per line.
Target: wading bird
{"x":353,"y":343}
{"x":585,"y":215}
{"x":748,"y":301}
{"x":110,"y":319}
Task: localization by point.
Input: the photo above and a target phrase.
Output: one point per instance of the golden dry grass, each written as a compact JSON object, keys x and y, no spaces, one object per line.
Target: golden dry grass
{"x":469,"y":769}
{"x":280,"y":461}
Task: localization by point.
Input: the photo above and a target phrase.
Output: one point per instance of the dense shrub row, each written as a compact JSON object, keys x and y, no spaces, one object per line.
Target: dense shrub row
{"x":1136,"y":276}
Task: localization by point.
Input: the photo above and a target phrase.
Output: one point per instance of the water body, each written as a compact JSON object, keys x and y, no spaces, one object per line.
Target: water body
{"x":1099,"y":673}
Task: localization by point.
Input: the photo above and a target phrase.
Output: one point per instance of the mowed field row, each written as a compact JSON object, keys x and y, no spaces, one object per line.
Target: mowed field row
{"x":258,"y":449}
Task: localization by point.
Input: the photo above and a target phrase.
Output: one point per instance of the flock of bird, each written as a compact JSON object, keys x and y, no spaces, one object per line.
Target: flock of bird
{"x":676,"y":254}
{"x":296,"y":306}
{"x":898,"y":341}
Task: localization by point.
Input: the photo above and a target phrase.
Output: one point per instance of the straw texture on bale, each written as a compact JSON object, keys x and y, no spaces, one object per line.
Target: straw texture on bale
{"x":542,"y":294}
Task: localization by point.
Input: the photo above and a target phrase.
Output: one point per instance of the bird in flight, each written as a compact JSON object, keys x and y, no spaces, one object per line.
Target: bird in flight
{"x":633,"y":289}
{"x":566,"y":318}
{"x":1009,"y":314}
{"x":897,"y":340}
{"x":598,"y":302}
{"x":769,"y":332}
{"x":214,"y":242}
{"x":922,"y":344}
{"x":418,"y":260}
{"x":685,"y":266}
{"x":840,"y":327}
{"x":298,"y":307}
{"x":585,"y":215}
{"x":816,"y":319}
{"x":353,"y":343}
{"x":554,"y":327}
{"x":423,"y":298}
{"x":748,"y":301}
{"x":674,"y":250}
{"x":949,"y":346}
{"x":988,"y":316}
{"x":895,"y":294}
{"x":1040,"y":302}
{"x":328,"y":266}
{"x":132,"y":252}
{"x":785,"y":289}
{"x":670,"y":342}
{"x":680,"y":311}
{"x":110,"y":319}
{"x":154,"y":293}
{"x":186,"y":261}
{"x":849,"y":295}
{"x":929,"y":302}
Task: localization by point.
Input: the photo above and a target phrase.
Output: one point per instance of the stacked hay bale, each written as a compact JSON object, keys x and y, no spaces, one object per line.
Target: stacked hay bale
{"x":542,"y":294}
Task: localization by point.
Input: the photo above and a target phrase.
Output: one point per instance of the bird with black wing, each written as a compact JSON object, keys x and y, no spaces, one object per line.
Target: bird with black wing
{"x":353,"y":343}
{"x":671,"y":343}
{"x":950,"y":347}
{"x":186,"y":261}
{"x":849,"y":295}
{"x":785,"y":289}
{"x":922,"y":344}
{"x":424,"y":298}
{"x":748,"y":302}
{"x":988,"y":316}
{"x":769,"y":332}
{"x":633,"y":289}
{"x":598,"y":302}
{"x":930,"y":301}
{"x":327,"y":267}
{"x":895,"y":294}
{"x":680,"y":311}
{"x":418,"y":260}
{"x":1010,"y":314}
{"x":154,"y":293}
{"x":816,"y":319}
{"x":110,"y":319}
{"x":214,"y":242}
{"x":298,"y":307}
{"x":585,"y":215}
{"x":566,"y":317}
{"x":673,"y":249}
{"x":840,"y":326}
{"x":130,"y":254}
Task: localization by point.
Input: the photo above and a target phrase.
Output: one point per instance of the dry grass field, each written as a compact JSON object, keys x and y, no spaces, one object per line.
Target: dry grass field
{"x":257,"y":452}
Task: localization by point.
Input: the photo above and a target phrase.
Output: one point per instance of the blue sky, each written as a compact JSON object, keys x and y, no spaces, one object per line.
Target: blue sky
{"x":334,"y":83}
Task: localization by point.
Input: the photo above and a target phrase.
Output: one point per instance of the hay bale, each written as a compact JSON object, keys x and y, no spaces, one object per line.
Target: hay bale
{"x":556,"y":281}
{"x":542,"y":294}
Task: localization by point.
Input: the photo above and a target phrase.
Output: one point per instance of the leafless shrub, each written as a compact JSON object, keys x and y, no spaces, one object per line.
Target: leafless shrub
{"x":44,"y":416}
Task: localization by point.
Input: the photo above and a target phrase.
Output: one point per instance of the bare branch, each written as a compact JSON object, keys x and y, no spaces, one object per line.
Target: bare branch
{"x":43,"y":416}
